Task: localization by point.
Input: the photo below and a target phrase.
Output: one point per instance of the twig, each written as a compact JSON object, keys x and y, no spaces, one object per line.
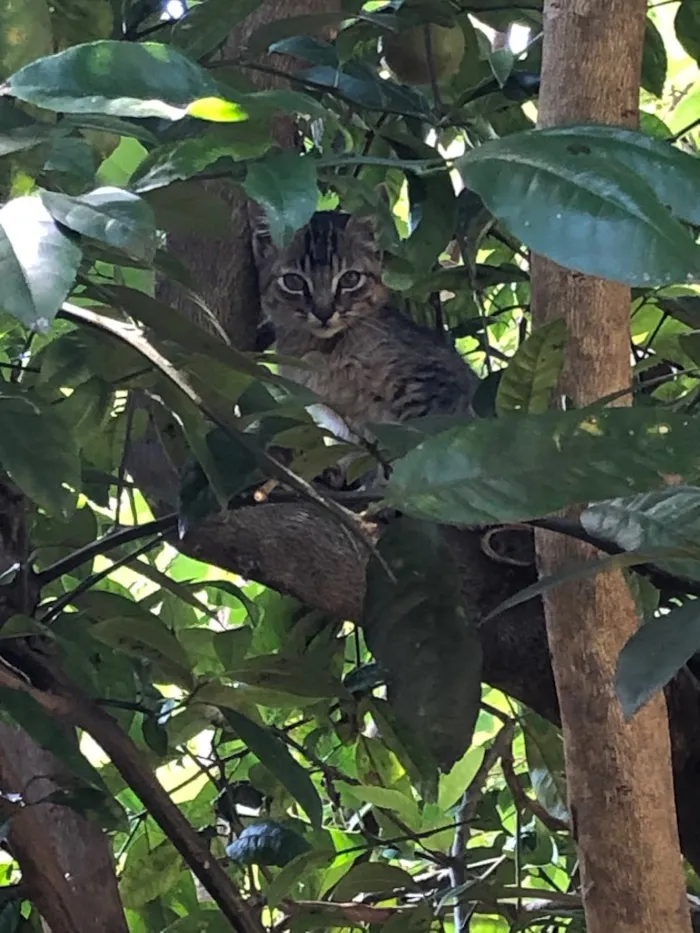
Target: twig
{"x":524,"y":802}
{"x":104,"y":545}
{"x":465,"y":814}
{"x":60,"y":604}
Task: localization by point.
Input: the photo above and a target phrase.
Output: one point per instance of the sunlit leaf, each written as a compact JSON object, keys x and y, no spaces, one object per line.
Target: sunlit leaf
{"x":39,"y":262}
{"x":118,"y":218}
{"x":127,"y":79}
{"x":531,"y":376}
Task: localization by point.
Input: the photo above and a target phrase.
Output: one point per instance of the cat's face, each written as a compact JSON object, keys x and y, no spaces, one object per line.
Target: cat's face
{"x":327,"y":277}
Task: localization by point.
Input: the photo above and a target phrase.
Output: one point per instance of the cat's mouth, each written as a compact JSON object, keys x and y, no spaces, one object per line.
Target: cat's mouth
{"x":325,"y":329}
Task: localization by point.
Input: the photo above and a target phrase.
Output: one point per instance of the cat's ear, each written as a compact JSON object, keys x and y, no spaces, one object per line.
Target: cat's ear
{"x":263,"y":247}
{"x":362,"y":226}
{"x":362,"y":230}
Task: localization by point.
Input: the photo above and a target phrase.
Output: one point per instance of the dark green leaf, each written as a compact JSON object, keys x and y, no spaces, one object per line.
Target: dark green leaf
{"x":669,"y":518}
{"x":433,"y":211}
{"x":301,"y":25}
{"x":544,"y":750}
{"x":579,"y":571}
{"x":39,"y":262}
{"x":155,"y":736}
{"x":285,"y":185}
{"x":529,"y":380}
{"x":46,"y":732}
{"x":40,"y":454}
{"x":525,"y":466}
{"x":654,"y":61}
{"x":371,"y":878}
{"x":146,"y":637}
{"x":670,"y":172}
{"x":113,"y":216}
{"x":419,"y":632}
{"x":655,"y":653}
{"x":19,"y":131}
{"x":267,"y":843}
{"x":185,"y":158}
{"x":128,"y":79}
{"x":687,"y":25}
{"x":232,"y":646}
{"x":589,"y":207}
{"x":207,"y":25}
{"x":273,"y":753}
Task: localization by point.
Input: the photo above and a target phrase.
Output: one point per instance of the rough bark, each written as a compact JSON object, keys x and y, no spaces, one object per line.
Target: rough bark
{"x":67,"y":869}
{"x":621,"y":798}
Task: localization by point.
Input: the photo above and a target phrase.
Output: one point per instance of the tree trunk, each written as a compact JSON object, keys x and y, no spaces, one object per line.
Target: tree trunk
{"x":621,"y":797}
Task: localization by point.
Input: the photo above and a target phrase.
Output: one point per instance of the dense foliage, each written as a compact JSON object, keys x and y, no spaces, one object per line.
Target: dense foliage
{"x":331,"y":803}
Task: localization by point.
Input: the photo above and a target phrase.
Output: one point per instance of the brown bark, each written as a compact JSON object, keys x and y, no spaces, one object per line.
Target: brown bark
{"x":65,"y":860}
{"x":67,"y":869}
{"x":621,"y":797}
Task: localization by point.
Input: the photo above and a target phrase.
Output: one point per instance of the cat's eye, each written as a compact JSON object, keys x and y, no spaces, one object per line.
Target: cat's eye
{"x":291,"y":282}
{"x":351,"y":280}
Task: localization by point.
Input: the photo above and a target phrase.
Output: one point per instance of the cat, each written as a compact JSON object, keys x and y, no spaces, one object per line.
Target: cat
{"x":367,"y":361}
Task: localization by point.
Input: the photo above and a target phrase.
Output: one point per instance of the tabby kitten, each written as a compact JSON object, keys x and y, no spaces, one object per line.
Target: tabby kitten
{"x":367,"y":361}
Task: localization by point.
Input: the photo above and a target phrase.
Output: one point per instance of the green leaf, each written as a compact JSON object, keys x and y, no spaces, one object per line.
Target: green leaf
{"x":267,"y":843}
{"x":655,"y":653}
{"x":434,"y":211}
{"x":529,"y":380}
{"x":285,"y":185}
{"x":420,"y":634}
{"x":118,"y":218}
{"x":670,"y":172}
{"x":294,"y":872}
{"x":39,"y":262}
{"x":149,"y":872}
{"x":370,"y":878}
{"x":654,"y":60}
{"x":273,"y":753}
{"x":687,"y":26}
{"x":207,"y":25}
{"x":457,"y":780}
{"x":668,"y":518}
{"x":186,"y":158}
{"x":302,"y":676}
{"x":48,"y":734}
{"x":40,"y":454}
{"x":588,"y":205}
{"x":544,"y":749}
{"x":385,"y":798}
{"x":147,"y":636}
{"x":127,"y":79}
{"x":19,"y":131}
{"x":524,"y":466}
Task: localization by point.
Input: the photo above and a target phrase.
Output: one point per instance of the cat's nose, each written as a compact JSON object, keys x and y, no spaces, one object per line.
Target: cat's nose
{"x":323,"y":312}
